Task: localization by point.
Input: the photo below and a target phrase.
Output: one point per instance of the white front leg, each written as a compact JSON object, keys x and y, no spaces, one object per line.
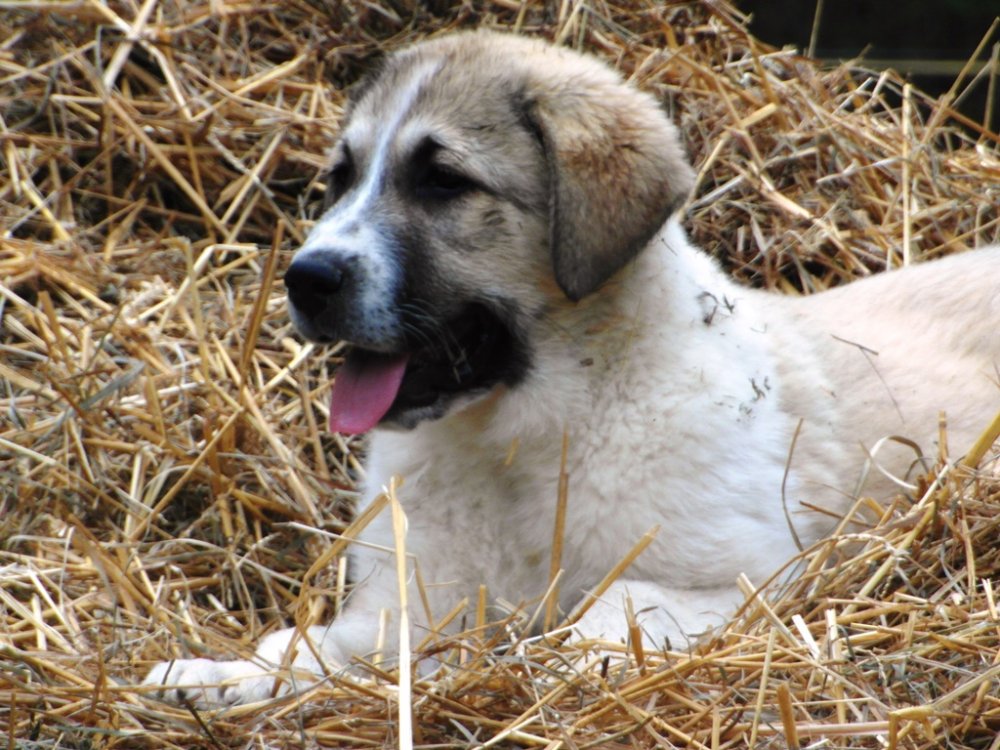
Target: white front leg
{"x":665,"y":615}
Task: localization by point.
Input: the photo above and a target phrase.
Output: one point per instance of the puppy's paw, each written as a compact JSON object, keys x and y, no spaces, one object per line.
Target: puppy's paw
{"x":206,"y":683}
{"x":285,"y":659}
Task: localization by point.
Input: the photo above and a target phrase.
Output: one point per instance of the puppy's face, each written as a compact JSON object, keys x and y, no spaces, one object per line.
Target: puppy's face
{"x":440,"y":244}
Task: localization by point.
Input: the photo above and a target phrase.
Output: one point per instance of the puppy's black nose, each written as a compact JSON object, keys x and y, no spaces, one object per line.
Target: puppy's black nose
{"x":312,"y":281}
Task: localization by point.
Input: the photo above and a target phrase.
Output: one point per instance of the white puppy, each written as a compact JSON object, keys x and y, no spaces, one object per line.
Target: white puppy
{"x":498,"y":253}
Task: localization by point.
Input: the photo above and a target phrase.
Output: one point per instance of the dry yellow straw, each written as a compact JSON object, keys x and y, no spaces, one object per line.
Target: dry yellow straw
{"x":558,"y":534}
{"x":405,"y":690}
{"x":165,"y":484}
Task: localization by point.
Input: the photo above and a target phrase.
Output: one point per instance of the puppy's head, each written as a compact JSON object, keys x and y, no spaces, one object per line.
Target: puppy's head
{"x":479,"y":180}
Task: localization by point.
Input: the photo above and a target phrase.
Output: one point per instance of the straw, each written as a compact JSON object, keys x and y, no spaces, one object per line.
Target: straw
{"x":167,"y":488}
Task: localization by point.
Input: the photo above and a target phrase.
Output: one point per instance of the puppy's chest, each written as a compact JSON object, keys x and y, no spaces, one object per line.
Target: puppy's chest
{"x":490,"y":519}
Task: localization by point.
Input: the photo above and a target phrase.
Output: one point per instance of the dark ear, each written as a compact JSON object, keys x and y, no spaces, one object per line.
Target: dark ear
{"x":617,"y":171}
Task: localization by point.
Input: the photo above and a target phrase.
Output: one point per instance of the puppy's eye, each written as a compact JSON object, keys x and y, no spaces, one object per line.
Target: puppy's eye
{"x":443,"y":183}
{"x":338,"y":180}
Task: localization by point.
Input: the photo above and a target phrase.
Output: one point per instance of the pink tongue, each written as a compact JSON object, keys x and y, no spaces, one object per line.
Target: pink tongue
{"x":363,"y":390}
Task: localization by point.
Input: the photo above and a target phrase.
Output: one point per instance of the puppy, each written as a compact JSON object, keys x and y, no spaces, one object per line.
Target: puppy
{"x":499,"y":253}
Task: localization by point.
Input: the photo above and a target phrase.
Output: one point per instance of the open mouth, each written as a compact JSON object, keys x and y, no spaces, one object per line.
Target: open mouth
{"x":472,"y":352}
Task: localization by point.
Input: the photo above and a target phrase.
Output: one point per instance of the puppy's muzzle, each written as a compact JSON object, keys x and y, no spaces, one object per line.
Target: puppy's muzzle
{"x":406,"y":361}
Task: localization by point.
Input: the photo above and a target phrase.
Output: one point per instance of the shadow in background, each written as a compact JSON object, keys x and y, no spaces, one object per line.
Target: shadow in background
{"x":928,"y":41}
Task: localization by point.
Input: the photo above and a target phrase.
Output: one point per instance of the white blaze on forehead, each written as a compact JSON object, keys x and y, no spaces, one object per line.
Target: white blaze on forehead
{"x":352,"y":213}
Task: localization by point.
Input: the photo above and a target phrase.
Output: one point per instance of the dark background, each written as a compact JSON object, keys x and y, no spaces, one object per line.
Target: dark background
{"x":926,"y":40}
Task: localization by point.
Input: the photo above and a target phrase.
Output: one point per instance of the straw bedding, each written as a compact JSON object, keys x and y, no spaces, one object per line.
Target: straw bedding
{"x":165,"y":480}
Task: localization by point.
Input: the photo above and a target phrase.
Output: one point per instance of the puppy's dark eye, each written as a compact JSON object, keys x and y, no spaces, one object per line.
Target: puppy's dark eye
{"x":338,"y":180}
{"x":443,"y":183}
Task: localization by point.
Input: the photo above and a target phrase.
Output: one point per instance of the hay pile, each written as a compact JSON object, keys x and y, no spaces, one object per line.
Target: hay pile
{"x":165,"y":481}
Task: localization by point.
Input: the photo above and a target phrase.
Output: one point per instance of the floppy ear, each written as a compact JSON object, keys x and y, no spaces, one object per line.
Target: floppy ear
{"x":616,"y":172}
